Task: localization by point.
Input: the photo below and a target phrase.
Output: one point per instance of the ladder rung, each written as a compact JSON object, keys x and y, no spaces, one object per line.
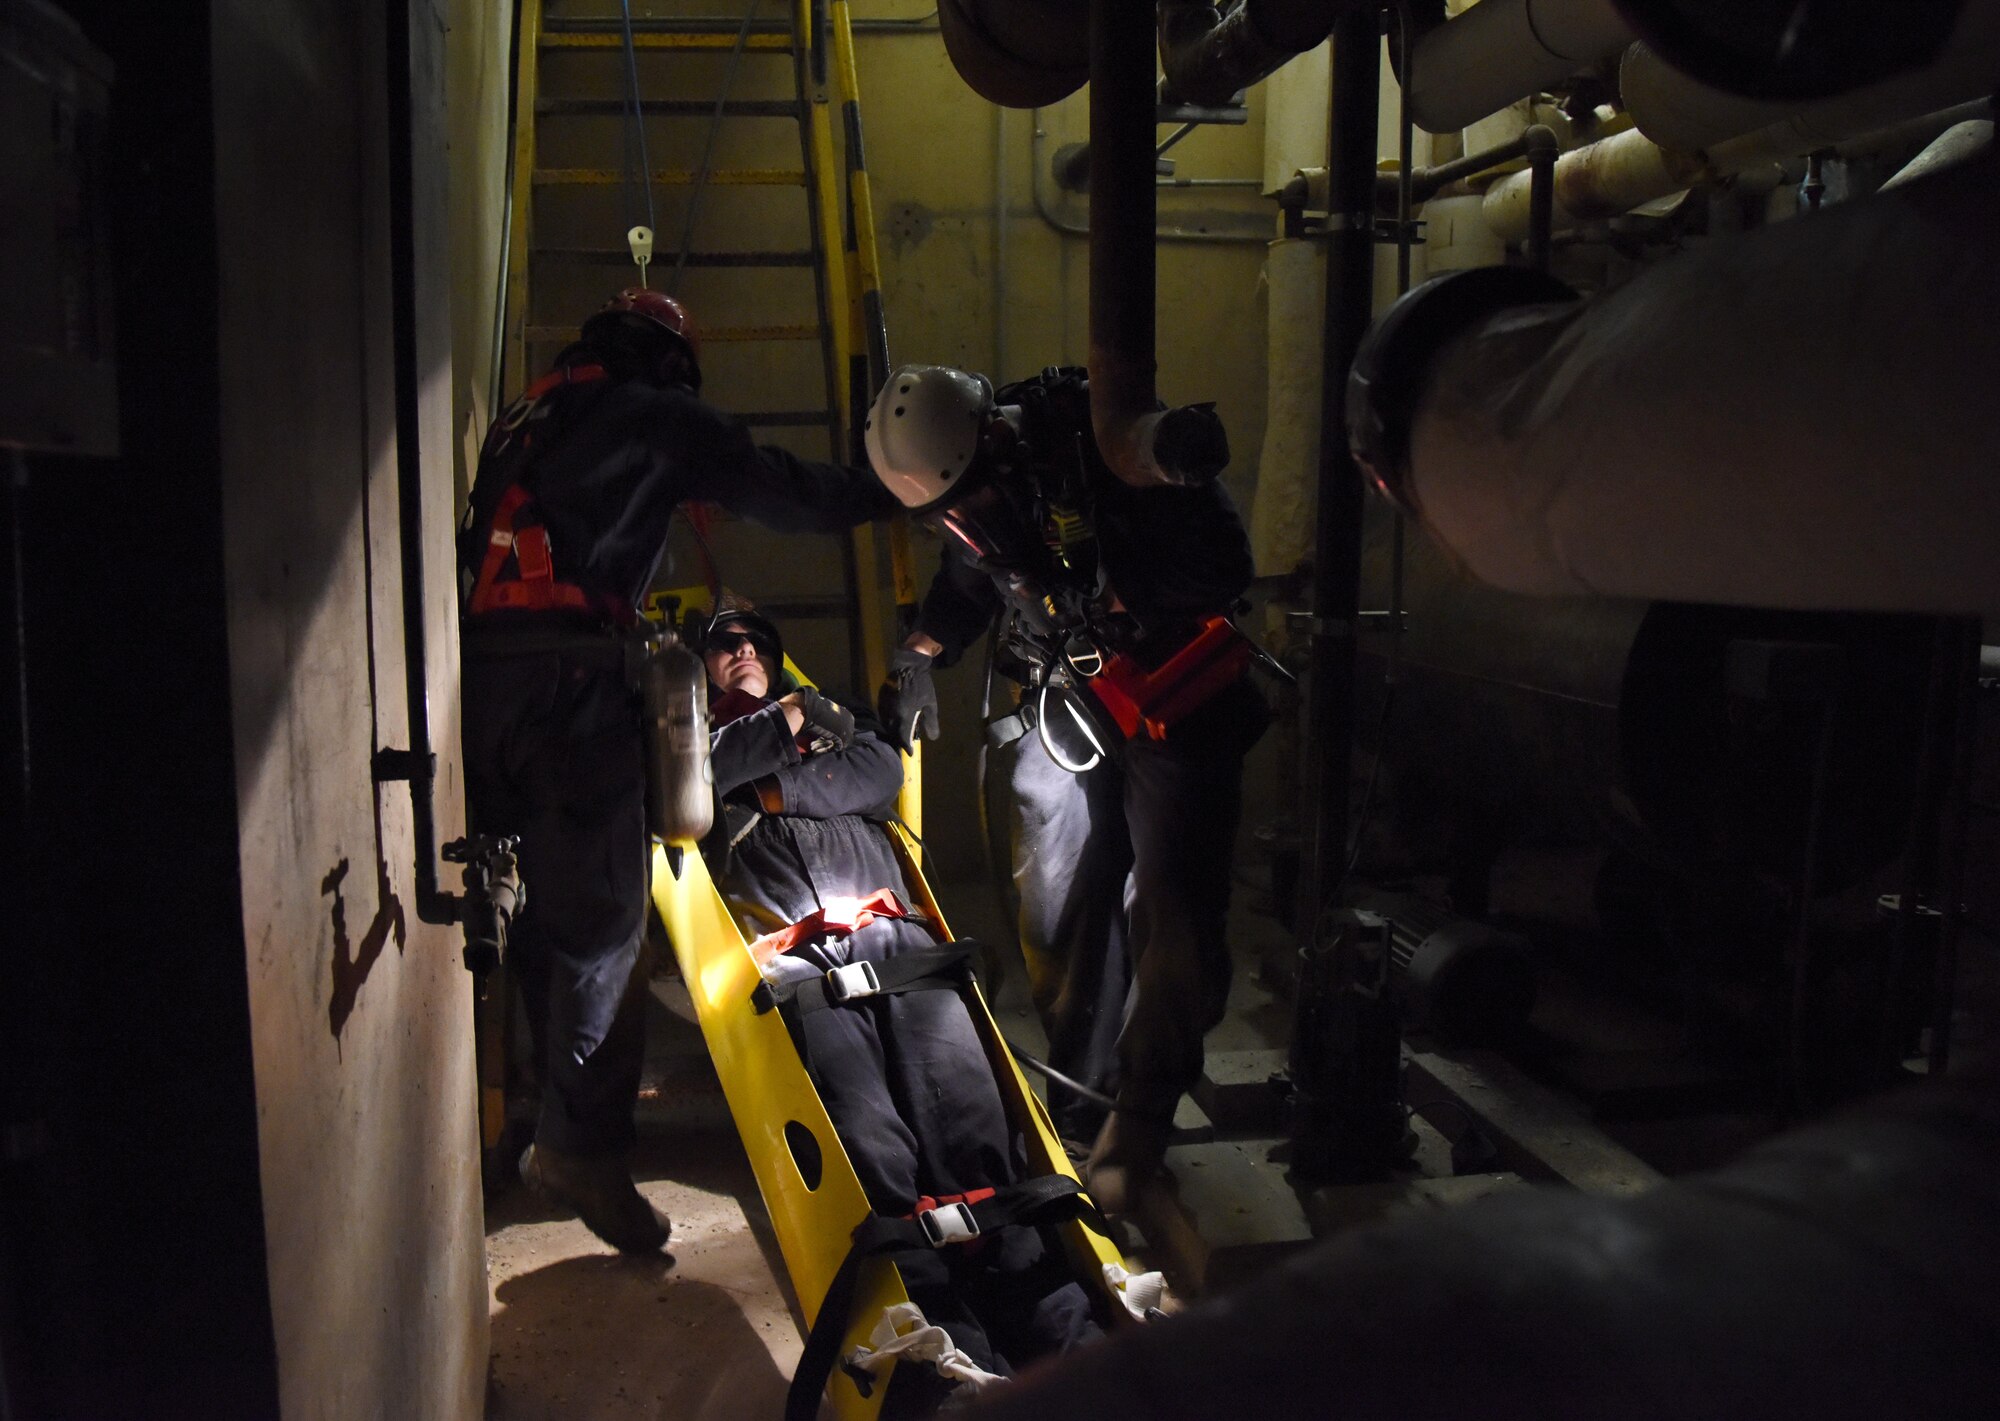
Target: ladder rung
{"x":654,"y":39}
{"x":620,"y":256}
{"x":789,"y":419}
{"x":673,"y":108}
{"x":674,"y":177}
{"x":710,"y":335}
{"x":678,"y":25}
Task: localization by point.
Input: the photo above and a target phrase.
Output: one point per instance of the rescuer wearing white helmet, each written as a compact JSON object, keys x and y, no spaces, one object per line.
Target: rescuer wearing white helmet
{"x":1122,"y":828}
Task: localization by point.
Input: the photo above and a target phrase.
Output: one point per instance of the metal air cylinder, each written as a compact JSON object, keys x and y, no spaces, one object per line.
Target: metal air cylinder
{"x":680,"y":797}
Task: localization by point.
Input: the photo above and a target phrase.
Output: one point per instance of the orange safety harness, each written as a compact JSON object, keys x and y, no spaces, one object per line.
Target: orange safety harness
{"x":533,"y":586}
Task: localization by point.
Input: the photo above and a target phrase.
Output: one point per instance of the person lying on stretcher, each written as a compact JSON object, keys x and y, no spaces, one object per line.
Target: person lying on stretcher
{"x":903,"y":1076}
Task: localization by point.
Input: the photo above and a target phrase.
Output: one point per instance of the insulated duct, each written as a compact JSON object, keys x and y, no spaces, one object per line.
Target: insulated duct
{"x":1842,"y":1272}
{"x":1676,"y":111}
{"x":1801,"y":417}
{"x":1500,"y":50}
{"x":1020,"y":54}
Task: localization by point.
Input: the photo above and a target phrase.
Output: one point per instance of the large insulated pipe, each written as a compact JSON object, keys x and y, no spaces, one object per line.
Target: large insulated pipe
{"x":1208,"y":52}
{"x":1800,"y":417}
{"x":1501,"y":50}
{"x":1141,"y":444}
{"x":1021,"y":54}
{"x":1842,"y":1272}
{"x":1628,"y":169}
{"x":1676,"y":111}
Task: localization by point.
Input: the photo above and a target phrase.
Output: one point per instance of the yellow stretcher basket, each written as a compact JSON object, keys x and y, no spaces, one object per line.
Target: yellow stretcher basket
{"x":803,"y":1172}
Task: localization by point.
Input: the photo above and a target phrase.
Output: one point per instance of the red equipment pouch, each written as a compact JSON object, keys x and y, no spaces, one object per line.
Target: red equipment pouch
{"x":1150,"y":702}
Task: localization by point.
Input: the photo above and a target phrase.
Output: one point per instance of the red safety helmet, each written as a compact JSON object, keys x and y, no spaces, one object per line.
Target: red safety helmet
{"x":656,"y":309}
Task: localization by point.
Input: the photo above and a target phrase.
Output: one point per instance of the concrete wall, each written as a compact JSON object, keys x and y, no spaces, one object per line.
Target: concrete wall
{"x":360,"y":1015}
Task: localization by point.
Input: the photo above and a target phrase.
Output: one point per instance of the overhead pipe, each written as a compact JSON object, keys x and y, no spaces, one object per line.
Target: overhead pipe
{"x":1209,"y":52}
{"x":1801,"y":417}
{"x":1676,"y":111}
{"x":1021,"y":54}
{"x":1500,"y":50}
{"x":1628,"y":169}
{"x":1141,"y":444}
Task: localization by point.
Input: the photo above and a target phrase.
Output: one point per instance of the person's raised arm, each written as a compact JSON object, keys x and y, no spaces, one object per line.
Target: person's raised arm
{"x":772,"y":486}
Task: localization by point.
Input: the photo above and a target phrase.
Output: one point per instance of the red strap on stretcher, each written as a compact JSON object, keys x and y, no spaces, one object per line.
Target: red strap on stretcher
{"x":835,"y":920}
{"x":928,"y":1202}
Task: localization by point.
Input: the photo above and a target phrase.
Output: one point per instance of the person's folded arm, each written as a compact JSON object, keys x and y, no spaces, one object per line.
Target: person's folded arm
{"x":865,"y":776}
{"x":758,"y":744}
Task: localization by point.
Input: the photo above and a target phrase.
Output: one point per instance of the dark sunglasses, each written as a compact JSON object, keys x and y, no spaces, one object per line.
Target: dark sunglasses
{"x":729,"y":638}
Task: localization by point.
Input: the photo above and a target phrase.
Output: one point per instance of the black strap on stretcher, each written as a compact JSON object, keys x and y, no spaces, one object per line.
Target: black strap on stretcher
{"x":933,"y":969}
{"x":1051,"y":1199}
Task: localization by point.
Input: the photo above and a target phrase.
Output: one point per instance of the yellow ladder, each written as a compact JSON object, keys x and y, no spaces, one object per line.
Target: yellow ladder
{"x":848,"y":323}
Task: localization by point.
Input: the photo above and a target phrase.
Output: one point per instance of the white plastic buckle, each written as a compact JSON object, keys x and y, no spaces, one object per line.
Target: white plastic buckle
{"x":948,"y":1223}
{"x":855,"y":980}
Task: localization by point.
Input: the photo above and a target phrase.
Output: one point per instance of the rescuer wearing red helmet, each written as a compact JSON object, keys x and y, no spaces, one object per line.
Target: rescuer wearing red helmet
{"x":567,"y":522}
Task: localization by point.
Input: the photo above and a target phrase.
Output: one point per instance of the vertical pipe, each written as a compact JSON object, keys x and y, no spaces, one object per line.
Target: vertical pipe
{"x":1542,"y":148}
{"x":1350,"y":287}
{"x":1965,"y":726}
{"x":1123,"y":205}
{"x":419,"y":766}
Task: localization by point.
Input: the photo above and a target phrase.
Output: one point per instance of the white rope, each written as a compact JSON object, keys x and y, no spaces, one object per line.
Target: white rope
{"x":904,"y":1333}
{"x":1140,"y":1292}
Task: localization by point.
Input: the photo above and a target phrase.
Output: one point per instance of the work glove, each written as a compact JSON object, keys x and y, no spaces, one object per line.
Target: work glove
{"x":908,"y":699}
{"x":828,"y":724}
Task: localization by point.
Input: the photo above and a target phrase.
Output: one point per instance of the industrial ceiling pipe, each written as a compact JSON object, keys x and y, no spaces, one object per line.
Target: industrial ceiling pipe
{"x":1800,"y":417}
{"x":1140,"y":443}
{"x":1208,"y":52}
{"x":1020,"y":54}
{"x":1676,"y":111}
{"x":1500,"y":51}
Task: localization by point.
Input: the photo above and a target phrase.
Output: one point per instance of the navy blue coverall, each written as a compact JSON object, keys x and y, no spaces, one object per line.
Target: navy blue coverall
{"x":1123,"y":872}
{"x":553,"y":752}
{"x":903,"y":1077}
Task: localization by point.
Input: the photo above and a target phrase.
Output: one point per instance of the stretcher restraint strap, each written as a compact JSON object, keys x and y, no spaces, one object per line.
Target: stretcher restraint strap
{"x":836,"y":920}
{"x":939,"y":969}
{"x":1051,"y":1199}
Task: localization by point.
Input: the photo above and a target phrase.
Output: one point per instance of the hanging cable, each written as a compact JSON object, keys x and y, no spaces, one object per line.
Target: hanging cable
{"x":708,"y":145}
{"x":639,"y":235}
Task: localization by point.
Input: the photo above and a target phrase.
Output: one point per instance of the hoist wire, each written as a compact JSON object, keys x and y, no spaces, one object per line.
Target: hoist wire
{"x":635,"y":131}
{"x":708,"y":146}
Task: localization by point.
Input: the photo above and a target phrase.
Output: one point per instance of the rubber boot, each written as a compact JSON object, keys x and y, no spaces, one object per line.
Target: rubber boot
{"x":1125,"y":1158}
{"x":601,"y":1192}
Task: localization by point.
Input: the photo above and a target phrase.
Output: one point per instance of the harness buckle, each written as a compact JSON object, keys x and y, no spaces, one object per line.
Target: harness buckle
{"x":948,"y":1224}
{"x":852,"y":982}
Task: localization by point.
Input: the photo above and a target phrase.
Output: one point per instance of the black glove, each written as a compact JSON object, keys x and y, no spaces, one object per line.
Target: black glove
{"x":828,"y":724}
{"x":908,"y":699}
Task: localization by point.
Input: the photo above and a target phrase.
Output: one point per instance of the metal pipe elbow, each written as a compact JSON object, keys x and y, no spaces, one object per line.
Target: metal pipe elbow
{"x":1208,"y":54}
{"x":1186,"y":446}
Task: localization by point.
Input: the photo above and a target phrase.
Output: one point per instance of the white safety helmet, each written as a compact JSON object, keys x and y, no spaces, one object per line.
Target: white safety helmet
{"x":924,"y":432}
